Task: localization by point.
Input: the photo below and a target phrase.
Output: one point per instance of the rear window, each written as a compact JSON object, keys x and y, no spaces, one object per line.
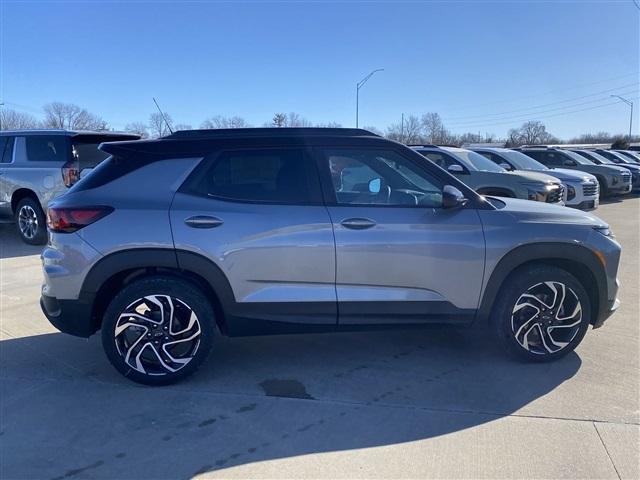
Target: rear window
{"x":6,"y":149}
{"x":45,"y":148}
{"x":109,"y":170}
{"x":87,"y":154}
{"x":270,"y":176}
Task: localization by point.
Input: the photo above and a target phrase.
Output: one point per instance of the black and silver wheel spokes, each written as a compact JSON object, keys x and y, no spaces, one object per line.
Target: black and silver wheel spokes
{"x":28,"y":221}
{"x":157,"y":334}
{"x":546,"y":317}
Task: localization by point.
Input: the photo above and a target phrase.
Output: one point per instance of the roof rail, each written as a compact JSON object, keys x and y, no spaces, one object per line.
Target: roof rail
{"x":414,"y":145}
{"x":268,"y":132}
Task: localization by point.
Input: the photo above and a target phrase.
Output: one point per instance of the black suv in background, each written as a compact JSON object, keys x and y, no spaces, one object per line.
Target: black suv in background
{"x":612,"y":178}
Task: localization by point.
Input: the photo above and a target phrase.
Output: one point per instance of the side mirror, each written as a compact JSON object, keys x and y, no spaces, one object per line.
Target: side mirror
{"x":569,"y":163}
{"x":452,"y":197}
{"x":505,"y":165}
{"x":455,"y":168}
{"x":374,"y":185}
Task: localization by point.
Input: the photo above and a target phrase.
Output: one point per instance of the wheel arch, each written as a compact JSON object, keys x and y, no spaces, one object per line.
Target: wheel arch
{"x":578,"y":260}
{"x":21,"y":193}
{"x":112,"y":272}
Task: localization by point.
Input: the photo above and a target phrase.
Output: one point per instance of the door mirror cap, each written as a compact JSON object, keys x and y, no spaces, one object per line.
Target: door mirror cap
{"x":569,"y":162}
{"x":375,"y":185}
{"x":452,"y":197}
{"x":455,"y":168}
{"x":506,"y":166}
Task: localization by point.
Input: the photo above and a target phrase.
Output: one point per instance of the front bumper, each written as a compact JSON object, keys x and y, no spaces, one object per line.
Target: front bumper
{"x":606,"y":313}
{"x":70,"y":316}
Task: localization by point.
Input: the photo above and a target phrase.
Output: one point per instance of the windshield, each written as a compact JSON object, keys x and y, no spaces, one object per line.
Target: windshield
{"x":521,"y":161}
{"x":597,"y":157}
{"x":578,"y":158}
{"x":620,"y":157}
{"x":475,"y":161}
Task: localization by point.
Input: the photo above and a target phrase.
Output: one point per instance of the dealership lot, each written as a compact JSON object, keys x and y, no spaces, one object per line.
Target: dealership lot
{"x":437,"y":403}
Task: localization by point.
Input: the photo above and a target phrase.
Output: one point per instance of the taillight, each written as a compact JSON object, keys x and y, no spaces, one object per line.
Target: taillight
{"x":71,"y":219}
{"x":70,"y":173}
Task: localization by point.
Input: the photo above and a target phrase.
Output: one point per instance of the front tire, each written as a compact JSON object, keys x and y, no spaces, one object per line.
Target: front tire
{"x":543,"y":313}
{"x":158,"y":330}
{"x":31,"y":222}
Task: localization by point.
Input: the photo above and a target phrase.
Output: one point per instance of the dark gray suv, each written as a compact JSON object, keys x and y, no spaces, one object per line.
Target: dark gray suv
{"x":170,"y":242}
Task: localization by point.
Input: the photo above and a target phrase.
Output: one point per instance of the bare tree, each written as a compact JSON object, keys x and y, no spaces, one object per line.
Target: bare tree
{"x":530,"y":133}
{"x":225,"y":122}
{"x":71,"y":116}
{"x":137,"y":127}
{"x":329,"y":125}
{"x":279,"y":120}
{"x":435,"y":131}
{"x":296,"y":120}
{"x":182,"y":126}
{"x":373,"y":129}
{"x":12,"y":120}
{"x":158,"y":126}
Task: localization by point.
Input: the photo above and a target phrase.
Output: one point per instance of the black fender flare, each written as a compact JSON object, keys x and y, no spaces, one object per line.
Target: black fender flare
{"x":548,"y":252}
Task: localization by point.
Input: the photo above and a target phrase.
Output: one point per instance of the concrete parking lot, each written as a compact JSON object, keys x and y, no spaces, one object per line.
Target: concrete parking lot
{"x":412,"y":404}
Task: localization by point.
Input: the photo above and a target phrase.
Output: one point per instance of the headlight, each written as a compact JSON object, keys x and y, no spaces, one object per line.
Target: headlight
{"x":571,"y":192}
{"x":537,"y":192}
{"x":604,"y":230}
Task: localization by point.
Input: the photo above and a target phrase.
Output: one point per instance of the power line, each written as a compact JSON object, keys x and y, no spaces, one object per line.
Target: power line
{"x":24,"y":107}
{"x":485,"y":125}
{"x":564,"y":89}
{"x":543,"y":105}
{"x":529,"y":114}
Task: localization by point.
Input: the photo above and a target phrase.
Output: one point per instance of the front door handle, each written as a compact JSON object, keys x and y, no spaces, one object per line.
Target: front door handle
{"x":358,"y":223}
{"x":203,"y":221}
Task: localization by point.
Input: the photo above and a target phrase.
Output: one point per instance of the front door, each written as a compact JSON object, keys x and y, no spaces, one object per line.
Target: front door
{"x":400,"y":257}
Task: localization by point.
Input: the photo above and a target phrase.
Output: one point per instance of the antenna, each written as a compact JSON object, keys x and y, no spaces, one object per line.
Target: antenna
{"x":163,"y":116}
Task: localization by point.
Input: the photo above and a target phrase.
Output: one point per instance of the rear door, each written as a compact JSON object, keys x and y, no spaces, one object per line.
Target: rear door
{"x":6,"y":158}
{"x":401,"y":257}
{"x":258,"y":215}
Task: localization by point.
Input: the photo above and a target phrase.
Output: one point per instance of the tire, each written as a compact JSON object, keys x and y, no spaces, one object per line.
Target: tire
{"x":528,"y":329}
{"x":31,"y":222}
{"x":604,"y":191}
{"x":147,"y":346}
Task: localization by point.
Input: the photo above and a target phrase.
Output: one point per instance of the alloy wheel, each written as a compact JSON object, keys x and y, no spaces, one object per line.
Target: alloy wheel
{"x":28,"y":222}
{"x":157,"y":334}
{"x":546,"y":318}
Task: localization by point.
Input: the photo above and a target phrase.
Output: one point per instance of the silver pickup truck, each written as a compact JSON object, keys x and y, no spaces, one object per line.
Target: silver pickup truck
{"x":39,"y":165}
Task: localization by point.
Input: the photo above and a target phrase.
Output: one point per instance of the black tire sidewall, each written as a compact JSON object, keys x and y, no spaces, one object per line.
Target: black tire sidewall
{"x":41,"y":236}
{"x":177,"y":288}
{"x":518,"y":283}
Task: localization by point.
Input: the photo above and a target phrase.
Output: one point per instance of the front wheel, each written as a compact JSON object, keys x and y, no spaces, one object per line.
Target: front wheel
{"x":158,"y":330}
{"x":543,"y":313}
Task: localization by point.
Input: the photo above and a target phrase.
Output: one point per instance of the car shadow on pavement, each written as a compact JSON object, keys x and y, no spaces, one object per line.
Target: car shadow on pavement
{"x":65,"y":411}
{"x":12,"y":246}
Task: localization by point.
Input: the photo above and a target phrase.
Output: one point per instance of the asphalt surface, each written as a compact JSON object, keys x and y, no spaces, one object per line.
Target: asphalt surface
{"x":404,"y":404}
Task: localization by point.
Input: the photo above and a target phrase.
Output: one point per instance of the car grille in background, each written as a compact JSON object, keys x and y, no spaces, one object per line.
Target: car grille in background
{"x":626,"y":177}
{"x":555,"y":194}
{"x":590,"y":189}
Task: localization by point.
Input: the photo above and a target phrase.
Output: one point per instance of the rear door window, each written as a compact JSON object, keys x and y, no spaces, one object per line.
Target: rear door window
{"x":281,"y":176}
{"x":45,"y":148}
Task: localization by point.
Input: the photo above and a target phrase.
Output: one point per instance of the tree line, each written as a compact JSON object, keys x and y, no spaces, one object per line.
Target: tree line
{"x":411,"y":130}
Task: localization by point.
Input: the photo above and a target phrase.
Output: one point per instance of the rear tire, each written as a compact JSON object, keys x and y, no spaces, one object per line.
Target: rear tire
{"x":158,"y":330}
{"x":31,"y":222}
{"x":542,"y":314}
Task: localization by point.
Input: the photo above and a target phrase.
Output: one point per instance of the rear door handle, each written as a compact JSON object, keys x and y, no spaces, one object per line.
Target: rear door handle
{"x":358,"y":223}
{"x":203,"y":221}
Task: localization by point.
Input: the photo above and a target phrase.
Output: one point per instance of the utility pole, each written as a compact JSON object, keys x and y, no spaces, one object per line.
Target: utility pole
{"x":402,"y":129}
{"x":358,"y":87}
{"x":630,"y":103}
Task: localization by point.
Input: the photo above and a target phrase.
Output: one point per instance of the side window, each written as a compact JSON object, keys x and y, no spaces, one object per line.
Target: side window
{"x":380,"y":177}
{"x":270,"y":176}
{"x":494,"y":158}
{"x":553,"y":158}
{"x":442,"y":160}
{"x":6,"y":149}
{"x":43,"y":148}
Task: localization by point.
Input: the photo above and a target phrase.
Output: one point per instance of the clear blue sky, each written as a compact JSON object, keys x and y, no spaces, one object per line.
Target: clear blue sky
{"x":469,"y":61}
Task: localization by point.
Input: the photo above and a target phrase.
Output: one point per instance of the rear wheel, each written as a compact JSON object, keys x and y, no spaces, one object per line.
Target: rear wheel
{"x":158,"y":330}
{"x":31,"y":222}
{"x":542,"y":314}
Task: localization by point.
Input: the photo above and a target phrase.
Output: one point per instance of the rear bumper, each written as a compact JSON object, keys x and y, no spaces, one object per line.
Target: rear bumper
{"x":69,"y":316}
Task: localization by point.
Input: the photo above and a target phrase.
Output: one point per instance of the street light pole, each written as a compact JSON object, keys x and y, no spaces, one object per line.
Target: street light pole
{"x":630,"y":103}
{"x":358,"y":87}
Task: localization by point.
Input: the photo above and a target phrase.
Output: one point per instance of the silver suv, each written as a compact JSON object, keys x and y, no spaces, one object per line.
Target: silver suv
{"x":37,"y":166}
{"x":170,"y":242}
